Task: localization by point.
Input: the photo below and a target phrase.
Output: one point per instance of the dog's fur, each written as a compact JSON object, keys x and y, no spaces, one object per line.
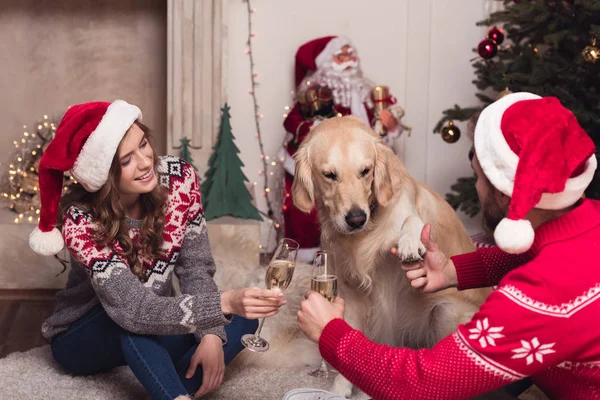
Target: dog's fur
{"x":344,"y":166}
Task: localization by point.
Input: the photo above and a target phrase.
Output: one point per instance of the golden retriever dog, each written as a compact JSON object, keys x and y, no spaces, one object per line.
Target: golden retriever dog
{"x":368,"y":203}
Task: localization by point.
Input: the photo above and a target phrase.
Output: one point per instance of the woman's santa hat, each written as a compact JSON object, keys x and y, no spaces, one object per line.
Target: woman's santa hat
{"x":533,"y":150}
{"x":85,"y":143}
{"x":314,"y":54}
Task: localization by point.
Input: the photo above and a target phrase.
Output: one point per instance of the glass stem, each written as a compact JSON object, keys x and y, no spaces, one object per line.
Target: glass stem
{"x":323,"y":365}
{"x":260,"y":325}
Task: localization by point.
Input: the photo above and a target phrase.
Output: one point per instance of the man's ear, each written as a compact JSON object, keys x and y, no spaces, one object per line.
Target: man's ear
{"x":303,"y":188}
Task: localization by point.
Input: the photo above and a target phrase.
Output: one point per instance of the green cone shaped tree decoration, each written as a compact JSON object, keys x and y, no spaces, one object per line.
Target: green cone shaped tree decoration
{"x":185,"y":152}
{"x":224,"y":190}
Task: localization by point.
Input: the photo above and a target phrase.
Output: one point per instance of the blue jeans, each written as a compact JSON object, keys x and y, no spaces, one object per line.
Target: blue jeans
{"x":95,"y":343}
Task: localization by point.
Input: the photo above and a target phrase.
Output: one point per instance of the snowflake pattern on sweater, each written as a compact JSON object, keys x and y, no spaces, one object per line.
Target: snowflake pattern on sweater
{"x":539,"y":322}
{"x":148,"y":307}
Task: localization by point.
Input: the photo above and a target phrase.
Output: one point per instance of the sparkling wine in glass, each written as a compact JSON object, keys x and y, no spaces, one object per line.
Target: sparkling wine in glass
{"x":277,"y":278}
{"x":324,"y":281}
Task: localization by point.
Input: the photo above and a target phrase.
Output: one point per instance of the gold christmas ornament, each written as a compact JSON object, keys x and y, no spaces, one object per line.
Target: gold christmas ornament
{"x":503,"y":93}
{"x":591,"y":53}
{"x":450,"y":133}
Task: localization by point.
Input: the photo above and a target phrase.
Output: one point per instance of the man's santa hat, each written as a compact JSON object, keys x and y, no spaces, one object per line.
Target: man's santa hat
{"x":314,"y":54}
{"x":85,"y":143}
{"x":533,"y":150}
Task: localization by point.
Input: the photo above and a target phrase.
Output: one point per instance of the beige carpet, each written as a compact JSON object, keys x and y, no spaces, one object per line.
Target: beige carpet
{"x":35,"y":375}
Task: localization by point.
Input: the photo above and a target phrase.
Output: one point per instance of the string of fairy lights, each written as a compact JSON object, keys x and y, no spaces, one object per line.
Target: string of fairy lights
{"x":269,"y":164}
{"x":22,"y":188}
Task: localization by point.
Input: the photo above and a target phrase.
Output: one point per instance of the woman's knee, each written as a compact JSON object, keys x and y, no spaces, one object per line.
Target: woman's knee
{"x":246,"y":325}
{"x":69,"y":361}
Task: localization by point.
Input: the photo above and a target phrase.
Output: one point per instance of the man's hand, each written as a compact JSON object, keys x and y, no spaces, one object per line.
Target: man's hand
{"x":316,"y":312}
{"x":208,"y":354}
{"x":388,"y":120}
{"x":252,"y":303}
{"x":436,"y":272}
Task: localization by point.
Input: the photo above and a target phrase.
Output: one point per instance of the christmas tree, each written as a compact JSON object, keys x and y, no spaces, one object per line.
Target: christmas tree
{"x":224,"y":191}
{"x":550,"y":51}
{"x":185,"y":152}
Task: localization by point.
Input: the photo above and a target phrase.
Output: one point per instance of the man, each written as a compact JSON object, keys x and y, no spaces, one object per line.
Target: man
{"x":533,"y":162}
{"x":329,"y":83}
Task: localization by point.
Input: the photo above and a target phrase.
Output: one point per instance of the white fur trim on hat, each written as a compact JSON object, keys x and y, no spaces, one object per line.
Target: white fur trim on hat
{"x":46,"y":243}
{"x":330,"y":49}
{"x":574,"y":189}
{"x":499,"y":163}
{"x":514,"y":237}
{"x":497,"y":160}
{"x":93,"y":163}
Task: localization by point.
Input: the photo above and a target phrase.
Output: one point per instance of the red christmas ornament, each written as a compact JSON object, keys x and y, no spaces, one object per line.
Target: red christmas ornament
{"x":487,"y":48}
{"x":496,"y":34}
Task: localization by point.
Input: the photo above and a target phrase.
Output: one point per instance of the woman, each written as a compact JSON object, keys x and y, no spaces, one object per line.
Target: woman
{"x":130,"y":221}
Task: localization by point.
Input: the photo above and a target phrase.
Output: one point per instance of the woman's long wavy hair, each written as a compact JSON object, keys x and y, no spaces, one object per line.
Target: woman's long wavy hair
{"x":110,"y":220}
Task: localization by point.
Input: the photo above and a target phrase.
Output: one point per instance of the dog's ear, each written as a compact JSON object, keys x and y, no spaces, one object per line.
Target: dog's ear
{"x":382,"y":181}
{"x":302,"y":188}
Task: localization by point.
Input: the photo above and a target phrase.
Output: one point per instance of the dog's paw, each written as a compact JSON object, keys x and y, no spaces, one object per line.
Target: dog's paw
{"x":410,"y":249}
{"x":342,"y":387}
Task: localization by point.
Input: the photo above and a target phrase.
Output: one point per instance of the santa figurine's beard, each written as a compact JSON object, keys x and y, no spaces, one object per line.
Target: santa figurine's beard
{"x":344,"y":80}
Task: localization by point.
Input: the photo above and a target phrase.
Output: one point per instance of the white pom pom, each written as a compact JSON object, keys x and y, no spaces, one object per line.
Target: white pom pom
{"x":514,"y":237}
{"x":46,"y":243}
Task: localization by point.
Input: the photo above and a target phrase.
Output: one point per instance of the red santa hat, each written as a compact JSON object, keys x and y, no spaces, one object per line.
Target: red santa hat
{"x":533,"y":150}
{"x":85,"y":143}
{"x":312,"y":55}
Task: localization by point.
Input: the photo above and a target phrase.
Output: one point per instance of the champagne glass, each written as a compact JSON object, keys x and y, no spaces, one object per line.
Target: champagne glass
{"x":324,"y":282}
{"x":278,"y":278}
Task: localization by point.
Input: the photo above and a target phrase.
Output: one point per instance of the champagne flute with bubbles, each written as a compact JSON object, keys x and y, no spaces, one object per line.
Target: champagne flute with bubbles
{"x":278,"y":277}
{"x":324,"y":281}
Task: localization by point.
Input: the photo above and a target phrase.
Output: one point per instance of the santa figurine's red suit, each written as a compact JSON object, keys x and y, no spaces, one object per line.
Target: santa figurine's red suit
{"x":330,"y":83}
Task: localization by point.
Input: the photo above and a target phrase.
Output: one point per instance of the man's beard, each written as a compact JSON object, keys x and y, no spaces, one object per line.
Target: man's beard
{"x":493,"y":213}
{"x":344,"y":80}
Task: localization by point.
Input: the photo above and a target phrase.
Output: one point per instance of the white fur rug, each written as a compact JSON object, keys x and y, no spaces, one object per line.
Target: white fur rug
{"x":252,"y":376}
{"x":35,"y":375}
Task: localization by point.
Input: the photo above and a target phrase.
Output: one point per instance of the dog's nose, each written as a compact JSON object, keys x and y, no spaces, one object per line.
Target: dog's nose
{"x":356,"y":218}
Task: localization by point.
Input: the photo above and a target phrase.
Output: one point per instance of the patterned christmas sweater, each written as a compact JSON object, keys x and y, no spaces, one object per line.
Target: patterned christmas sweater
{"x":540,"y":321}
{"x":99,"y":275}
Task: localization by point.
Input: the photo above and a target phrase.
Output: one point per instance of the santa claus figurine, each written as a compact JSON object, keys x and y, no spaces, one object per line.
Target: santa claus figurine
{"x":330,"y":83}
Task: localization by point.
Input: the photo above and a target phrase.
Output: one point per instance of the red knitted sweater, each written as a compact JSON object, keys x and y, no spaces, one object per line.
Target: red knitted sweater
{"x":541,"y":321}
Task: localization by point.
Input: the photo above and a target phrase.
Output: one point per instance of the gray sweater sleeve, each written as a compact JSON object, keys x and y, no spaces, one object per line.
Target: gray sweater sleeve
{"x":132,"y":304}
{"x":195,"y":269}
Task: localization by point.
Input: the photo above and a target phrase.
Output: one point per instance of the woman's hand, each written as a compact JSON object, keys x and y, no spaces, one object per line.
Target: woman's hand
{"x":208,"y":354}
{"x":316,"y":312}
{"x":252,"y":303}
